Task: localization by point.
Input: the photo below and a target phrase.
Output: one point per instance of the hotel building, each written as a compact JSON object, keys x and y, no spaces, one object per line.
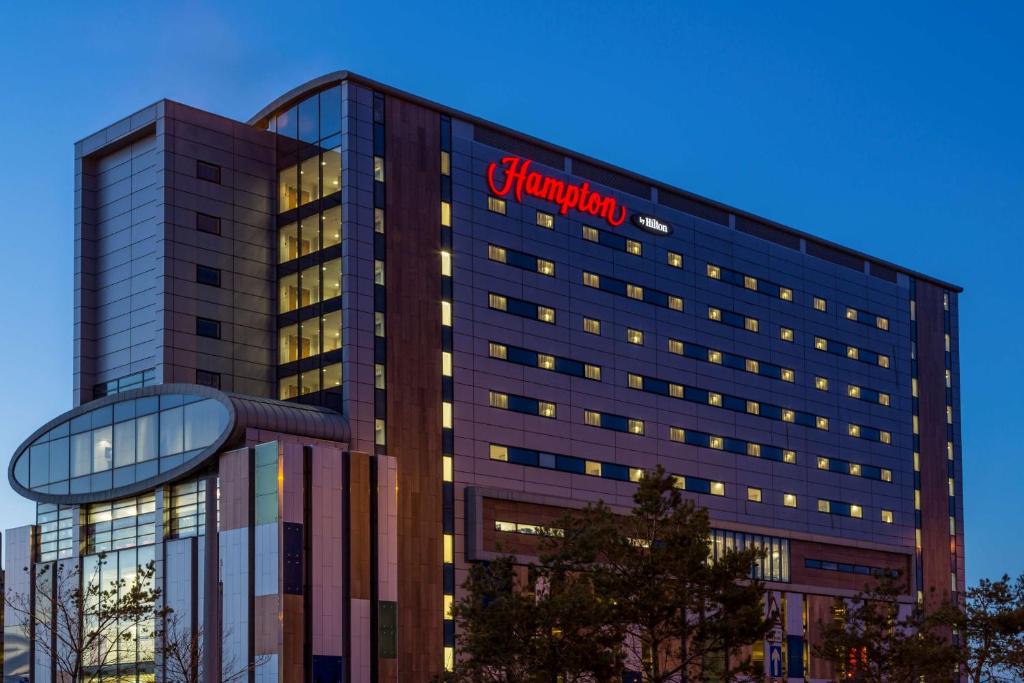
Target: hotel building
{"x":392,"y":336}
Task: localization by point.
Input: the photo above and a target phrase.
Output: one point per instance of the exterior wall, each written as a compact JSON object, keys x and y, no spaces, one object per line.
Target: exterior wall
{"x":137,"y":247}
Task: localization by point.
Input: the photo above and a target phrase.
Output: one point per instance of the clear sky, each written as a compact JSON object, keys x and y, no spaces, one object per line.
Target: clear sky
{"x":894,"y":128}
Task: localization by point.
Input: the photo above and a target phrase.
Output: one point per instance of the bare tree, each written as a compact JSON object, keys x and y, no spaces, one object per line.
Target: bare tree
{"x":182,"y":649}
{"x":83,"y":625}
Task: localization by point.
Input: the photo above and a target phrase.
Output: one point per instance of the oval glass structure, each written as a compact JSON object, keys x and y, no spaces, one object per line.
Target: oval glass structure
{"x":94,"y":453}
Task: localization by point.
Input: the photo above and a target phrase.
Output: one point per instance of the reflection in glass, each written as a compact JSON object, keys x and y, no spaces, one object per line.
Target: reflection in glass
{"x":310,"y":235}
{"x":309,"y":180}
{"x":332,"y":279}
{"x":59,"y":459}
{"x":331,"y":164}
{"x":39,"y":459}
{"x":171,"y":432}
{"x":204,"y":422}
{"x":287,"y":123}
{"x":287,"y":189}
{"x":310,"y":293}
{"x":81,"y":454}
{"x":332,"y":331}
{"x":288,"y":243}
{"x":102,"y":449}
{"x":309,"y":119}
{"x":124,"y":443}
{"x":146,"y":432}
{"x":330,"y":111}
{"x":332,"y":227}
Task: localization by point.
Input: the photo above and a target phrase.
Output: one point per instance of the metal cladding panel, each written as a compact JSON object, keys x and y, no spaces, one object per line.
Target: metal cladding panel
{"x":18,"y":554}
{"x":327,"y":571}
{"x":236,"y":610}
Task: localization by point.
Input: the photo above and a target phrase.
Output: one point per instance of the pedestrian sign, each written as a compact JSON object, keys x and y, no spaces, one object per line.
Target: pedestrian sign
{"x":775,"y":660}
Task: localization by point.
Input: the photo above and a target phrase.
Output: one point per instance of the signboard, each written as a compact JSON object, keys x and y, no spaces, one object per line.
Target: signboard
{"x":651,"y":224}
{"x":775,"y":660}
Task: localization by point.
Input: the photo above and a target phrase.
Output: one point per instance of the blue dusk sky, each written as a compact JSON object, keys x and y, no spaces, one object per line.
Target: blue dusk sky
{"x":893,"y":128}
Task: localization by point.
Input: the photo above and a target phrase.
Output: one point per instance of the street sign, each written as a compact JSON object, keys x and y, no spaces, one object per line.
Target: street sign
{"x":775,"y":660}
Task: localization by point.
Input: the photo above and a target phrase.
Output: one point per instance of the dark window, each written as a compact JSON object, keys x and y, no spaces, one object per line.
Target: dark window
{"x":207,"y":276}
{"x":207,"y":328}
{"x":208,"y":379}
{"x":207,"y":223}
{"x":207,"y":171}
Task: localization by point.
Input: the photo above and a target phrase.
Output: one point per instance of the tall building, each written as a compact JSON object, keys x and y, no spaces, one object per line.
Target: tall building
{"x":392,"y":336}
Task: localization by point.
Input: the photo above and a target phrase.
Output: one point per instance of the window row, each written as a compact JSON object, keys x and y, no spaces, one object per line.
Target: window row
{"x":309,"y":180}
{"x":520,"y":259}
{"x":521,"y":404}
{"x":694,"y":437}
{"x":730,"y":360}
{"x":309,"y":235}
{"x":56,"y":531}
{"x":869,"y":433}
{"x":754,"y":284}
{"x":317,"y":283}
{"x":869,"y":395}
{"x":135,"y":380}
{"x":851,"y":352}
{"x":622,"y":288}
{"x":565,"y":366}
{"x":121,"y":524}
{"x":733,"y":319}
{"x":310,"y":381}
{"x":521,"y":308}
{"x":314,"y":118}
{"x":653,"y":385}
{"x":613,"y":240}
{"x":848,"y":568}
{"x":854,"y":469}
{"x":310,"y":337}
{"x":836,"y":507}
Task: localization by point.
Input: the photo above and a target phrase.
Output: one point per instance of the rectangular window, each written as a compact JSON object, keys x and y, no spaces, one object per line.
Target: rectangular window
{"x":856,"y":511}
{"x":636,"y":426}
{"x":446,"y":214}
{"x":785,"y":293}
{"x":819,"y":304}
{"x":496,"y":350}
{"x":545,"y":220}
{"x":675,"y":260}
{"x":591,"y":279}
{"x":207,"y":171}
{"x":787,"y":375}
{"x":677,"y":434}
{"x":207,"y":223}
{"x":592,"y":418}
{"x":497,"y":302}
{"x":749,"y":282}
{"x":750,"y":324}
{"x":207,"y":379}
{"x":592,"y":372}
{"x":675,"y":390}
{"x":378,"y":272}
{"x":591,"y":326}
{"x":851,"y":313}
{"x":206,"y":327}
{"x":886,"y":516}
{"x":714,"y":272}
{"x":545,"y":409}
{"x":714,"y":356}
{"x":714,"y":313}
{"x":498,"y":400}
{"x":786,"y":334}
{"x":717,"y":488}
{"x":634,"y":247}
{"x":675,"y":346}
{"x":634,"y":336}
{"x":545,"y":267}
{"x":379,"y":376}
{"x":634,"y":291}
{"x":446,"y":163}
{"x":821,"y":384}
{"x":822,"y":463}
{"x":635,"y":381}
{"x":378,"y":169}
{"x":824,"y":505}
{"x":820,"y":344}
{"x":881,"y":323}
{"x":496,"y":253}
{"x":378,"y":324}
{"x":446,"y":263}
{"x":496,"y":205}
{"x":789,"y":500}
{"x":753,"y":407}
{"x":499,"y":452}
{"x":753,"y":494}
{"x":546,"y":315}
{"x":545,"y":362}
{"x":714,"y":399}
{"x":675,"y":303}
{"x":207,"y":276}
{"x":590,"y":234}
{"x":754,"y":449}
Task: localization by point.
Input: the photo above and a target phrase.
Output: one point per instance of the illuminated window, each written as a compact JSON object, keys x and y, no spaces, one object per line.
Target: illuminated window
{"x":446,"y":313}
{"x":786,"y":334}
{"x":856,"y":511}
{"x":634,"y":291}
{"x":634,"y":336}
{"x":853,"y":391}
{"x":378,"y":221}
{"x":752,"y":365}
{"x":750,"y":324}
{"x":446,"y":214}
{"x":496,"y":205}
{"x":881,"y":323}
{"x":886,"y":475}
{"x":379,"y":432}
{"x":947,"y":343}
{"x":592,"y":468}
{"x":714,"y":313}
{"x":785,"y":293}
{"x":446,"y":163}
{"x":717,"y":488}
{"x":497,"y":302}
{"x":883,"y":399}
{"x":378,"y":324}
{"x":592,"y":372}
{"x":546,"y":315}
{"x":378,"y":272}
{"x":822,"y":463}
{"x":949,"y":415}
{"x":749,"y":282}
{"x":496,"y":253}
{"x":885,"y":437}
{"x":592,"y":418}
{"x":753,"y":407}
{"x":753,"y":494}
{"x":545,"y":409}
{"x":855,"y":469}
{"x":883,"y":361}
{"x":824,"y":506}
{"x":675,"y":346}
{"x":635,"y":381}
{"x":499,"y":452}
{"x":789,"y":457}
{"x":714,"y":356}
{"x":636,"y":426}
{"x":886,"y":516}
{"x":634,"y":247}
{"x":675,"y":260}
{"x":591,"y":279}
{"x":446,"y":363}
{"x":545,"y":220}
{"x":591,"y":326}
{"x":675,"y":390}
{"x":675,"y":303}
{"x":913,"y":387}
{"x":789,"y":500}
{"x":821,"y":423}
{"x":716,"y":442}
{"x":819,"y":304}
{"x":820,"y":344}
{"x":635,"y":474}
{"x":754,"y":449}
{"x":378,"y":169}
{"x":545,"y":267}
{"x":498,"y":400}
{"x":545,"y":362}
{"x":379,"y":376}
{"x":446,"y":263}
{"x":590,"y":234}
{"x":678,"y":481}
{"x":714,"y":272}
{"x":787,"y":375}
{"x":821,"y":383}
{"x":714,"y":399}
{"x":788,"y":415}
{"x":677,"y":434}
{"x":446,"y":414}
{"x":852,"y":352}
{"x":851,"y":313}
{"x":853,"y":430}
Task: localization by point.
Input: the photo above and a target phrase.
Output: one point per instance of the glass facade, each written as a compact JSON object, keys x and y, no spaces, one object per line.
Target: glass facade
{"x":309,"y":248}
{"x":121,"y":443}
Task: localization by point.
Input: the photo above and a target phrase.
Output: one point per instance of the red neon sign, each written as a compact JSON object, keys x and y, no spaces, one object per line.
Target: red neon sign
{"x":567,"y":195}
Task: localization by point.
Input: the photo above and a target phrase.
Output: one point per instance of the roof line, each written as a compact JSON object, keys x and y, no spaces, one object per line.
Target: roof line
{"x":296,"y":93}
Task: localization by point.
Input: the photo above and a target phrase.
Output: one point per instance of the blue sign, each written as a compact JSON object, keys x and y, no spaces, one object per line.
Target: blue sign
{"x":774,"y":660}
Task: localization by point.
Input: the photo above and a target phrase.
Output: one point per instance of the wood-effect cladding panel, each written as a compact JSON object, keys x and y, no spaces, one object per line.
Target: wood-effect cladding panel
{"x":803,"y":550}
{"x":413,"y":328}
